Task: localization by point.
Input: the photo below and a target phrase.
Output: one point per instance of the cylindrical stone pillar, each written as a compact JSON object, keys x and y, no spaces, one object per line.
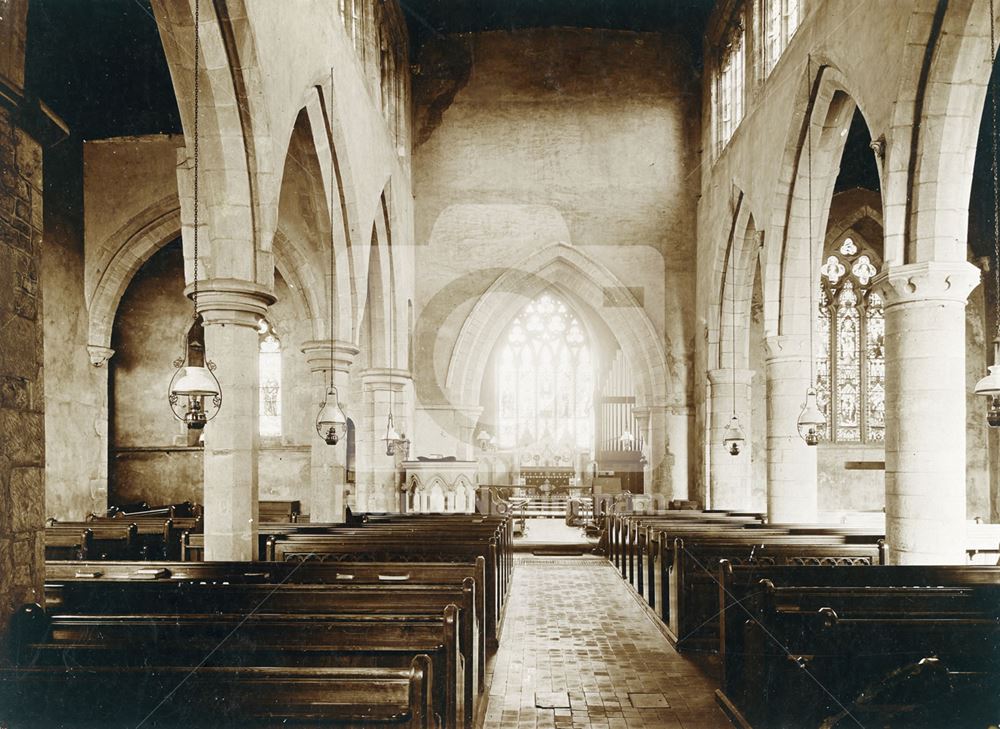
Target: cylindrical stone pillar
{"x":230,"y":312}
{"x":791,"y":464}
{"x":328,"y":463}
{"x":925,"y":395}
{"x":729,"y":475}
{"x":376,"y":476}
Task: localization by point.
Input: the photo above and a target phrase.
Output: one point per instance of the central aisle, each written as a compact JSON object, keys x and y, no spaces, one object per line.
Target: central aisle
{"x":579,"y":651}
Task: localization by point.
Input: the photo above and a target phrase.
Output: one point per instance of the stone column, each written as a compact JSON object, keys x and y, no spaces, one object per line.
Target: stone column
{"x":329,"y":463}
{"x":382,"y":387}
{"x":925,"y":397}
{"x":665,"y":431}
{"x":22,"y":392}
{"x":729,"y":475}
{"x":791,"y":464}
{"x":230,"y":311}
{"x":100,"y":357}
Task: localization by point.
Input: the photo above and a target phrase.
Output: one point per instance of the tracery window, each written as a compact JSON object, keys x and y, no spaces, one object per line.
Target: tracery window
{"x":780,"y":21}
{"x":269,"y":388}
{"x":730,"y":86}
{"x":545,"y":379}
{"x":850,"y":377}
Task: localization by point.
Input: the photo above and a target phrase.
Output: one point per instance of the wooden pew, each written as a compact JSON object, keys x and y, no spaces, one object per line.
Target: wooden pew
{"x":175,"y":601}
{"x":654,"y":559}
{"x":693,"y":588}
{"x":156,"y":538}
{"x":278,"y":511}
{"x":427,"y":573}
{"x":742,"y":540}
{"x":115,"y":697}
{"x":91,"y":540}
{"x":400,"y":548}
{"x":800,"y":644}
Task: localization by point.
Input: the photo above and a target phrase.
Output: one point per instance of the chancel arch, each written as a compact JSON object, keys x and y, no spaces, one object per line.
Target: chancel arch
{"x":576,"y":278}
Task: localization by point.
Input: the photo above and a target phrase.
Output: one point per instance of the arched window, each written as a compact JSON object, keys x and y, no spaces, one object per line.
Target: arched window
{"x":850,"y":377}
{"x":545,"y":379}
{"x":269,"y":359}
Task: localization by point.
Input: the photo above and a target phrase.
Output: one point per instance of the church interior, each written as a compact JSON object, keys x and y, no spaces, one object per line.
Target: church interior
{"x":499,"y":364}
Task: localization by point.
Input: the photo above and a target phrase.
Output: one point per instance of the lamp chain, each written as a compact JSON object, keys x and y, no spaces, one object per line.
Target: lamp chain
{"x":197,"y":62}
{"x":809,"y":238}
{"x":732,"y":306}
{"x":332,"y":244}
{"x":996,"y":187}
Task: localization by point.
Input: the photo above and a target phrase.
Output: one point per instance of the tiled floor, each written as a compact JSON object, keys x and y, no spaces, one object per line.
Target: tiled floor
{"x":578,"y":651}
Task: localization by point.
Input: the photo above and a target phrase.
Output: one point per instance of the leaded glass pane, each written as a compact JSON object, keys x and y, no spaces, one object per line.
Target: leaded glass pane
{"x":848,"y":392}
{"x":545,"y":378}
{"x":875,"y":363}
{"x":864,"y":270}
{"x":848,"y":247}
{"x":269,"y":358}
{"x":823,"y":364}
{"x":833,"y":269}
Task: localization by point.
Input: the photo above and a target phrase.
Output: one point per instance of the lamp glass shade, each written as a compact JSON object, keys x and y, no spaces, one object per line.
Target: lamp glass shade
{"x":195,"y":382}
{"x":330,"y":418}
{"x":811,"y":419}
{"x":733,"y":437}
{"x":989,"y":385}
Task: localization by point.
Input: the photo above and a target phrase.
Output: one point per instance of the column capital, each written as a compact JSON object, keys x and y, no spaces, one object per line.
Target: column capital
{"x":787,"y":348}
{"x":727,"y":376}
{"x":231,"y":301}
{"x":99,"y":355}
{"x":942,"y":281}
{"x":317,"y":352}
{"x":385,"y":378}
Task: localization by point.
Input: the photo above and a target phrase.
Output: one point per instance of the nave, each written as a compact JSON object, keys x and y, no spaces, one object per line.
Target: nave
{"x":580,"y":651}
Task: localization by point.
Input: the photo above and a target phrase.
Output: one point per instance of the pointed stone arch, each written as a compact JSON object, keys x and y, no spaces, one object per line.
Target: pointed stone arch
{"x":568,"y":270}
{"x":138,"y":240}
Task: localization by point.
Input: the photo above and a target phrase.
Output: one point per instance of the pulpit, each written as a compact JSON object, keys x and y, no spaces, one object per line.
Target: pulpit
{"x":439,"y":485}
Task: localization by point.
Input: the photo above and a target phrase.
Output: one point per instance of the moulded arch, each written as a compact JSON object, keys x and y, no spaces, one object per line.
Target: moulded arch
{"x":825,"y":103}
{"x":145,"y":234}
{"x":934,"y":127}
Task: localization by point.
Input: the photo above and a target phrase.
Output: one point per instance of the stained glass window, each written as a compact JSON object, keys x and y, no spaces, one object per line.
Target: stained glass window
{"x":545,"y":379}
{"x":850,"y":373}
{"x":269,"y":359}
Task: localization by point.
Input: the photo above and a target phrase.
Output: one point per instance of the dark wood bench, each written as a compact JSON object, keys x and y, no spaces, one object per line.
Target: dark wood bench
{"x":692,"y":603}
{"x":156,"y":537}
{"x":113,"y":697}
{"x":879,"y":646}
{"x":626,"y":529}
{"x":91,"y":540}
{"x":163,"y":604}
{"x":278,"y":511}
{"x":654,"y":559}
{"x":427,"y":573}
{"x":333,"y":548}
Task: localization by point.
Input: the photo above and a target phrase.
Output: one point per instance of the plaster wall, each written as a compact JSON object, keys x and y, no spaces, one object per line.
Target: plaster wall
{"x":582,"y":137}
{"x":75,"y":391}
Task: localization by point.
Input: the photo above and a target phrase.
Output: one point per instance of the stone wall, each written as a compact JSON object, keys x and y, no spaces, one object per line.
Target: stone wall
{"x":22,"y":419}
{"x":529,"y":139}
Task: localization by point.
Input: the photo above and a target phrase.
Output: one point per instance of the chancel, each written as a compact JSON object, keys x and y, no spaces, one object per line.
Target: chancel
{"x":483,"y":364}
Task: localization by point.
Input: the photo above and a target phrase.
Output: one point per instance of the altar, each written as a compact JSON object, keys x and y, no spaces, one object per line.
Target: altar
{"x":439,"y":485}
